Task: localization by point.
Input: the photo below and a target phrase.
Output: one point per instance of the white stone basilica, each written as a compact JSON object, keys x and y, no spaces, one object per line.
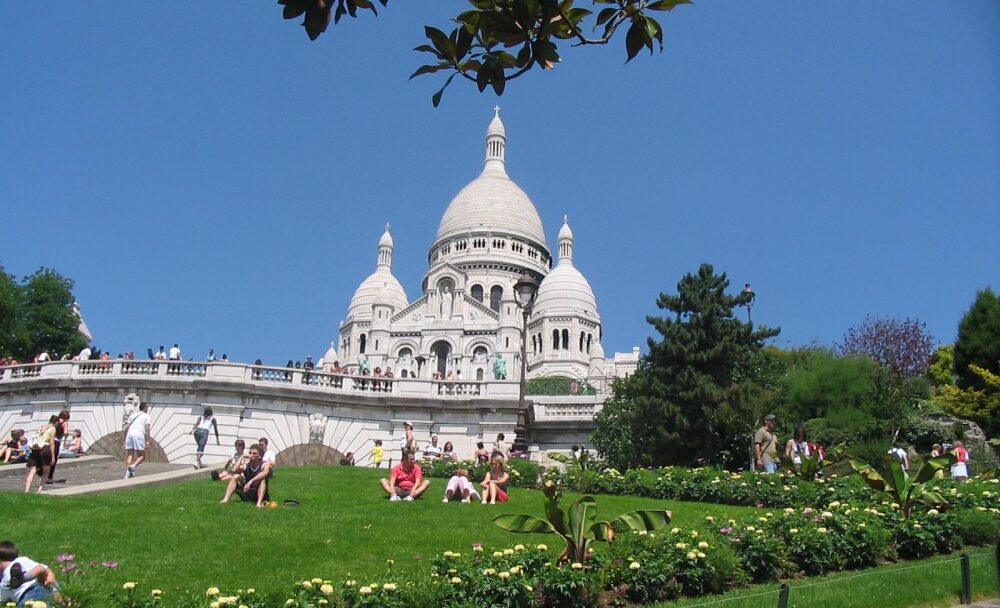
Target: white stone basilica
{"x":467,"y":317}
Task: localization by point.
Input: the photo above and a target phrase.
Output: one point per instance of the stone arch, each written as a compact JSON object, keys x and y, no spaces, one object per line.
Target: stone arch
{"x":113,"y":444}
{"x":305,"y":454}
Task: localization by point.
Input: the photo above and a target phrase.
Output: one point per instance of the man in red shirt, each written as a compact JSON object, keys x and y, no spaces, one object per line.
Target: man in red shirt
{"x":406,"y":480}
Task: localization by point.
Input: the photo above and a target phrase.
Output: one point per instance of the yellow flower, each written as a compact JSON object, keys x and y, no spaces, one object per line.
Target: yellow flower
{"x":827,"y":514}
{"x":821,"y":530}
{"x":793,"y":531}
{"x":703,"y":545}
{"x":709,"y":518}
{"x":217,"y":604}
{"x":694,"y":534}
{"x":932,"y":512}
{"x":322,"y":601}
{"x":542,"y":548}
{"x":519,"y":547}
{"x":642,"y":533}
{"x":516,"y":570}
{"x":503,"y":575}
{"x":211,"y":591}
{"x":508,"y":552}
{"x":529,"y":588}
{"x":365,"y":590}
{"x":389,"y":586}
{"x":692,"y":555}
{"x":326,"y":589}
{"x":675,"y":531}
{"x":156,"y":593}
{"x":455,"y":580}
{"x":228,"y":600}
{"x":129,"y":585}
{"x":576,"y":565}
{"x":319,"y":581}
{"x":350,"y":583}
{"x":634,"y":566}
{"x":447,"y":554}
{"x":681,"y":546}
{"x":701,"y":555}
{"x":288,"y":602}
{"x":307,"y":584}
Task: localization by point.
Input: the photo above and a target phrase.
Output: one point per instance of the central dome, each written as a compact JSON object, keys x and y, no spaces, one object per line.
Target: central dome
{"x":493,"y":202}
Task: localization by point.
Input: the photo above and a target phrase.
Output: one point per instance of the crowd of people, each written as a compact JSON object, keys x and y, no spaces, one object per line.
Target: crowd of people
{"x":798,"y":447}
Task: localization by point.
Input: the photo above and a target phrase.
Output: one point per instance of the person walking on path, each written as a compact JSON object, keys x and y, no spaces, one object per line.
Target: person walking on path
{"x":43,"y":446}
{"x":201,"y":427}
{"x":136,"y":438}
{"x":765,"y":445}
{"x":62,"y":429}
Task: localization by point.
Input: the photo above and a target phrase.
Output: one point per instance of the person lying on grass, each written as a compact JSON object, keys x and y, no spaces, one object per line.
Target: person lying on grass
{"x":249,"y":481}
{"x":406,"y":480}
{"x":24,"y":580}
{"x":459,"y":486}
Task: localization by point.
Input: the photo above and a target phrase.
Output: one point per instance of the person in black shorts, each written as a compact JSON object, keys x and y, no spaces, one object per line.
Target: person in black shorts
{"x":249,"y":481}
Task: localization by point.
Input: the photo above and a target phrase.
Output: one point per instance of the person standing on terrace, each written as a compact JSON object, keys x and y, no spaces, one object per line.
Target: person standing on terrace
{"x":201,"y":428}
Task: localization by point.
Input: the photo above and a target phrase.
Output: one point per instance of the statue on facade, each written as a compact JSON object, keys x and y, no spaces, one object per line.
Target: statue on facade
{"x":446,"y":303}
{"x":317,"y":428}
{"x":363,"y":365}
{"x":499,"y":367}
{"x":132,"y":402}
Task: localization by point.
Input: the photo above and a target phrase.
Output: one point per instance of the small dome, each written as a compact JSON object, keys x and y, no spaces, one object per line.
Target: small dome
{"x":386,"y":240}
{"x":565,"y":291}
{"x":379,"y":288}
{"x":565,"y":232}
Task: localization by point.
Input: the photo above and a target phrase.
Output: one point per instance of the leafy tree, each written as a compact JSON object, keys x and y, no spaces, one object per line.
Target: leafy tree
{"x":688,"y":376}
{"x":822,"y":385}
{"x":9,"y":294}
{"x":612,"y":437}
{"x":45,"y":316}
{"x":980,"y":404}
{"x":499,"y":40}
{"x":902,"y":346}
{"x":978,"y":340}
{"x":941,"y":371}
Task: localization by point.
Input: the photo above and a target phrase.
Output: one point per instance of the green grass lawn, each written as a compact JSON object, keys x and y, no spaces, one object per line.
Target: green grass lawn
{"x":178,"y":538}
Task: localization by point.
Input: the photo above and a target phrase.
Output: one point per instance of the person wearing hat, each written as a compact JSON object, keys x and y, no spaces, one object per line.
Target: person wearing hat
{"x":407,"y":442}
{"x":765,"y":446}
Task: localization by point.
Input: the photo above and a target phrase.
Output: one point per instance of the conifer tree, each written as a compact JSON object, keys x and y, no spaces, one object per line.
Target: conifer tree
{"x":978,"y":340}
{"x":688,"y":374}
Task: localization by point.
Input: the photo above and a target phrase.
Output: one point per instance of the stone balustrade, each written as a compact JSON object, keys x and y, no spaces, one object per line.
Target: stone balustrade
{"x":186,"y":371}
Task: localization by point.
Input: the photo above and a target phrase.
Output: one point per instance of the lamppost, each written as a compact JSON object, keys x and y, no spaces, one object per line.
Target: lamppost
{"x":751,"y":297}
{"x":524,"y":294}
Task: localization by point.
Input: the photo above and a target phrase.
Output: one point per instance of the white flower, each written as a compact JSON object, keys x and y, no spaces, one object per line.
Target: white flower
{"x":576,"y":565}
{"x":326,"y":589}
{"x":128,"y":585}
{"x":503,"y":575}
{"x":519,"y":547}
{"x":634,"y":566}
{"x":932,"y":512}
{"x":365,"y":590}
{"x":542,"y":547}
{"x":455,"y":580}
{"x":692,"y":555}
{"x":212,"y":591}
{"x":703,"y":545}
{"x":389,"y":586}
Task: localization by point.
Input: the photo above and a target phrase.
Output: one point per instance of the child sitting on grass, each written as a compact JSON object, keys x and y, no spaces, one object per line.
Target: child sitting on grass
{"x":459,"y":485}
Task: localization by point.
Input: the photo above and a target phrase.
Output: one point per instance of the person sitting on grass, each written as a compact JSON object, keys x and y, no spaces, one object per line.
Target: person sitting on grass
{"x":406,"y":480}
{"x":495,"y":482}
{"x":249,"y":480}
{"x":460,"y":486}
{"x":239,"y":458}
{"x":24,"y":580}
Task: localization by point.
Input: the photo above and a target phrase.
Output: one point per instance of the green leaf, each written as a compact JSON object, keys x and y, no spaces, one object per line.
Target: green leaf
{"x":641,"y":520}
{"x":520,"y":523}
{"x":897,"y":476}
{"x":428,"y":69}
{"x":635,"y":39}
{"x":868,"y":474}
{"x":604,"y":16}
{"x":436,"y":98}
{"x":666,"y":5}
{"x":293,"y":8}
{"x":932,"y":466}
{"x":439,"y":40}
{"x":933,"y":499}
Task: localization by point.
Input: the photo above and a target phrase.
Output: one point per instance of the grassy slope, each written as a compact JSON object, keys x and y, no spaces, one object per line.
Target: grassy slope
{"x":179,"y":537}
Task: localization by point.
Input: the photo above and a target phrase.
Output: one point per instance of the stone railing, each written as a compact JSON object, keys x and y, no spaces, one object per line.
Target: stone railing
{"x":257,"y":375}
{"x":553,"y":408}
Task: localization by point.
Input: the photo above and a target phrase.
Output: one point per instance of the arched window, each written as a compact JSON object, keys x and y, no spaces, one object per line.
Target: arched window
{"x":405,"y":373}
{"x":590,"y":337}
{"x":555,"y":339}
{"x":496,"y":294}
{"x":480,"y":353}
{"x":479,"y":374}
{"x":362,"y":343}
{"x":581,"y":341}
{"x":565,"y":335}
{"x":477,"y":293}
{"x":534,"y":345}
{"x":405,"y":354}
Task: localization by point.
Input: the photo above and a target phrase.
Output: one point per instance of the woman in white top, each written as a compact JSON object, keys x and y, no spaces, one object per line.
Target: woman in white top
{"x":23,"y":579}
{"x":797,"y":447}
{"x":201,"y":428}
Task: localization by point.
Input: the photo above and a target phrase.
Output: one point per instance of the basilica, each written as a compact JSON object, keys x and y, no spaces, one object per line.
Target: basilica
{"x":466,"y":325}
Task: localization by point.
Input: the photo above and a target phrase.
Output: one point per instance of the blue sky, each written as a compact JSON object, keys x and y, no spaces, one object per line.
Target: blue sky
{"x":210,"y":177}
